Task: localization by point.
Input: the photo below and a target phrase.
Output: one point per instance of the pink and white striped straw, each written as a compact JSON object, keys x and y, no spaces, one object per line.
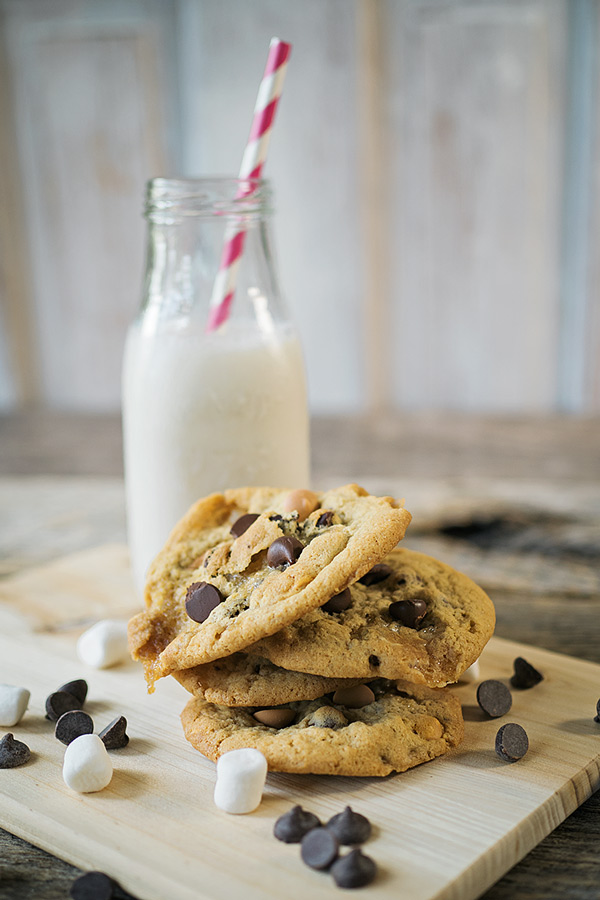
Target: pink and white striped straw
{"x":253,"y":161}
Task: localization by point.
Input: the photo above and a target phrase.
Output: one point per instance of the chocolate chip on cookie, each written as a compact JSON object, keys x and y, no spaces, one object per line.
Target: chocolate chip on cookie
{"x":408,"y":612}
{"x":339,"y":602}
{"x":319,"y":848}
{"x":275,"y":718}
{"x":325,"y":519}
{"x":512,"y":742}
{"x":284,"y":551}
{"x":243,"y":524}
{"x":350,"y":827}
{"x":494,"y":698}
{"x":525,"y":675}
{"x":200,"y":600}
{"x":355,"y":869}
{"x":301,"y":501}
{"x":13,"y":753}
{"x":294,"y":824}
{"x":354,"y":697}
{"x":378,"y":573}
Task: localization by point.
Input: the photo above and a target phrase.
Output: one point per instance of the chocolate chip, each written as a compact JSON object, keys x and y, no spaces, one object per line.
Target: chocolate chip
{"x":78,"y":688}
{"x":319,"y":848}
{"x":350,"y":827}
{"x":59,"y":703}
{"x":355,"y":869}
{"x":339,"y":602}
{"x":597,"y":716}
{"x":408,"y":612}
{"x":494,"y":698}
{"x":243,"y":524}
{"x":284,"y":551}
{"x":294,"y":824}
{"x":325,"y":519}
{"x":378,"y":573}
{"x":525,"y":675}
{"x":354,"y":697}
{"x":73,"y":724}
{"x":512,"y":742}
{"x":200,"y":600}
{"x":93,"y":886}
{"x":275,"y":718}
{"x":13,"y":753}
{"x":114,"y":736}
{"x":374,"y":661}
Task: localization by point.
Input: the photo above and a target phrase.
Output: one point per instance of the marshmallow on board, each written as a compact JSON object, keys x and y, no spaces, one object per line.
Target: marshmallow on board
{"x":241,"y":776}
{"x":13,"y":703}
{"x":104,"y":644}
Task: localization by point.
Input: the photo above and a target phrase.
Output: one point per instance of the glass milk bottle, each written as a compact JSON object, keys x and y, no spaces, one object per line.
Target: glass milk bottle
{"x":207,"y":409}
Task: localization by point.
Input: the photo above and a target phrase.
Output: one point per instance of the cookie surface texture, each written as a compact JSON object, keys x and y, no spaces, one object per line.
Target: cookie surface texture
{"x":243,"y":679}
{"x":404,"y":726}
{"x":348,"y":532}
{"x":365,"y":640}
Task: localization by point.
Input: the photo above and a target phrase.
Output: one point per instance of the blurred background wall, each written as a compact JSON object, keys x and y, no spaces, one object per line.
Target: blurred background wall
{"x":436,"y":167}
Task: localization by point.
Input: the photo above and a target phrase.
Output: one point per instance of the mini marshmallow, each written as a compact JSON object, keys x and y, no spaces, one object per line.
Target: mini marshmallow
{"x":472,"y":674}
{"x":13,"y":703}
{"x":104,"y":644}
{"x":86,"y":765}
{"x":241,"y":776}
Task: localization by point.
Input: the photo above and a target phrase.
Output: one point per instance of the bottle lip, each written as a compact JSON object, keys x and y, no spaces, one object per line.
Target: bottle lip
{"x":207,"y":196}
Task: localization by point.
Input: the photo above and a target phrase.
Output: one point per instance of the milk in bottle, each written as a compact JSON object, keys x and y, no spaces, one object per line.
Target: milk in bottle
{"x":205,"y":411}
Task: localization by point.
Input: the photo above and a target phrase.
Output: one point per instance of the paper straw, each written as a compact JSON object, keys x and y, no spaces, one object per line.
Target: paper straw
{"x":253,"y":161}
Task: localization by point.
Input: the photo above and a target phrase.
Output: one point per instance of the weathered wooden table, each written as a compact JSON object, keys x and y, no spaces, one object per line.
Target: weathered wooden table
{"x":513,"y":503}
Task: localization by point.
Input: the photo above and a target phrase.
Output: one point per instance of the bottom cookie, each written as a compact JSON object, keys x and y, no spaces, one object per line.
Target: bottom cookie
{"x":404,"y":725}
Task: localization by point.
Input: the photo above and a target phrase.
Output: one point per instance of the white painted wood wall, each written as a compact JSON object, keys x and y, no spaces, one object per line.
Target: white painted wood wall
{"x":435,"y":163}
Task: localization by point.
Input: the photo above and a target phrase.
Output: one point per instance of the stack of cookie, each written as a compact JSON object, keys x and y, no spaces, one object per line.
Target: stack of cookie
{"x":300,"y":629}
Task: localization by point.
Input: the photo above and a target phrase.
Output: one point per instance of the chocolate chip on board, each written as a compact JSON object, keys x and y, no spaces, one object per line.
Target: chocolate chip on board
{"x":409,"y":612}
{"x":200,"y":600}
{"x":78,"y":688}
{"x":525,"y":675}
{"x":294,"y":824}
{"x":73,"y":724}
{"x":512,"y":742}
{"x":275,"y":718}
{"x":13,"y":753}
{"x":339,"y":602}
{"x":243,"y":524}
{"x":350,"y":827}
{"x":379,"y":572}
{"x":93,"y":886}
{"x":494,"y":698}
{"x":114,"y":736}
{"x":597,"y":716}
{"x":319,"y":848}
{"x":353,"y":870}
{"x":284,"y":551}
{"x":60,"y":702}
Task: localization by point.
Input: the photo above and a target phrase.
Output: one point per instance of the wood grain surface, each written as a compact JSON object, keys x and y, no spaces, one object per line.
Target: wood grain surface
{"x":514,"y":502}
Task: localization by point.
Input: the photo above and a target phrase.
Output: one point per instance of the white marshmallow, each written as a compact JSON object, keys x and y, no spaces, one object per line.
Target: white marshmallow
{"x":241,"y":776}
{"x":104,"y":644}
{"x":13,"y":703}
{"x":472,"y":674}
{"x":86,"y":765}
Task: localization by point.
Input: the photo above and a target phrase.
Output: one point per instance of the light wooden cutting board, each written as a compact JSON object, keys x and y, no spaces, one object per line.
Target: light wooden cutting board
{"x":448,"y":829}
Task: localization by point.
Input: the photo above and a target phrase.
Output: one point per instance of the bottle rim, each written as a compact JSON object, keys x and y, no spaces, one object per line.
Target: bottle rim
{"x":207,"y":196}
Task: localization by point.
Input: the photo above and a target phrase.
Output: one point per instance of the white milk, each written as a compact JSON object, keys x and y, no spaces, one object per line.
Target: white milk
{"x":202,"y":413}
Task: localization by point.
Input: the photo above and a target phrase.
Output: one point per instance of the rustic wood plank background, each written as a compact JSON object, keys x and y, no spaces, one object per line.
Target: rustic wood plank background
{"x":435,"y":165}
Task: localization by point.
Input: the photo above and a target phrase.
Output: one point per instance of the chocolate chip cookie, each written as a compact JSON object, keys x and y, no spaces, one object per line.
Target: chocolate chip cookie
{"x":244,"y":564}
{"x":400,"y":726}
{"x":411,"y":617}
{"x":244,"y":679}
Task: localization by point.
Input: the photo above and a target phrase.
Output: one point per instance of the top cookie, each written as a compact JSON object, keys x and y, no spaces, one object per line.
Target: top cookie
{"x":329,"y":541}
